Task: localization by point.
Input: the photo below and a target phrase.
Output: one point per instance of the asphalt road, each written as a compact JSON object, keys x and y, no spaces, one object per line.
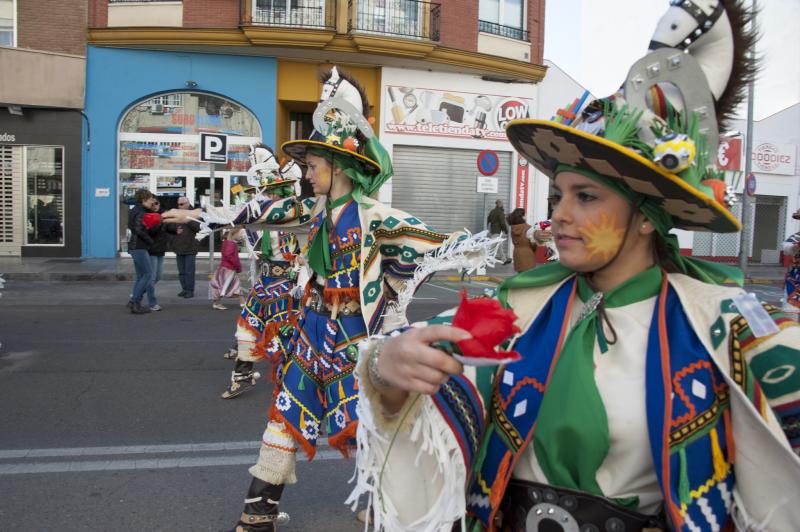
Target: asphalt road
{"x":112,"y":421}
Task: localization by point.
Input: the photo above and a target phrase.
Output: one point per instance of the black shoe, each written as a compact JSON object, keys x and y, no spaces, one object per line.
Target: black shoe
{"x":242,"y":379}
{"x":261,"y":515}
{"x":188,"y":295}
{"x":138,"y":308}
{"x":130,"y":305}
{"x":182,"y":293}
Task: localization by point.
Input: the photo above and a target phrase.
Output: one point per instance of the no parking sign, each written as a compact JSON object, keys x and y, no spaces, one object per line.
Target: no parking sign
{"x":488,"y":162}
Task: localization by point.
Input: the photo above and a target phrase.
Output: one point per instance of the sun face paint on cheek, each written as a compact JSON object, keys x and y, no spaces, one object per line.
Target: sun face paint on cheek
{"x":603,"y":236}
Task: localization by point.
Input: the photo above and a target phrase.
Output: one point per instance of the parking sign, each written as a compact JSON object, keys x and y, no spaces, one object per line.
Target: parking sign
{"x":213,"y":148}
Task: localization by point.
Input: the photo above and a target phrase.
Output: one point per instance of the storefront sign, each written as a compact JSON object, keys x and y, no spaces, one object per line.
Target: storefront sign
{"x":729,"y":155}
{"x":487,"y":185}
{"x":772,"y":158}
{"x":488,"y":162}
{"x":7,"y":137}
{"x":521,"y":193}
{"x":419,"y":111}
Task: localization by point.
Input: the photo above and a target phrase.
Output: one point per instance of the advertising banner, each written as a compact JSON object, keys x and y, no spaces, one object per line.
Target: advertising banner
{"x":521,"y":191}
{"x":729,"y":155}
{"x":420,"y":111}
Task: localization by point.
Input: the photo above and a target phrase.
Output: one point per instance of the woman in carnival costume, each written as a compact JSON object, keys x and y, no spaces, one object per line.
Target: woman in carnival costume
{"x":362,"y":256}
{"x":791,"y":298}
{"x":269,"y":315}
{"x":648,"y":396}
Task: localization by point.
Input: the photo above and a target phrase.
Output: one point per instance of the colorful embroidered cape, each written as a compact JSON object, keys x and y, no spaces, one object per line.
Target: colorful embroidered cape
{"x":792,"y":280}
{"x":694,"y":444}
{"x":270,"y":310}
{"x":392,"y":242}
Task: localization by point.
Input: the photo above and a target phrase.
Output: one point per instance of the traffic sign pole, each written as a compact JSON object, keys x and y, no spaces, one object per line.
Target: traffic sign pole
{"x":211,"y":236}
{"x":747,"y":199}
{"x":213,"y":149}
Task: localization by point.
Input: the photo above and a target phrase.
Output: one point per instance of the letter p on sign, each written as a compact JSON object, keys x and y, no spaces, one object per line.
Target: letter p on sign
{"x":213,"y":148}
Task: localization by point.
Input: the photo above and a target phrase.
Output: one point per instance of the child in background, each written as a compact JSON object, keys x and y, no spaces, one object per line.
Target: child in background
{"x":225,"y":282}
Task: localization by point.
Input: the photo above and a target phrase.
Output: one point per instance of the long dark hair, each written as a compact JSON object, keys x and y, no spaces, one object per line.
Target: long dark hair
{"x":516,"y":217}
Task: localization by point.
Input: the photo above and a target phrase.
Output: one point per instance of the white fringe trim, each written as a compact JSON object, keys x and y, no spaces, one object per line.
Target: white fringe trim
{"x":468,"y":254}
{"x":432,"y":437}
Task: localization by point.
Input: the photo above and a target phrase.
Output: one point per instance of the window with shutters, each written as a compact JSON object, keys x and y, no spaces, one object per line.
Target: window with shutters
{"x":10,"y":200}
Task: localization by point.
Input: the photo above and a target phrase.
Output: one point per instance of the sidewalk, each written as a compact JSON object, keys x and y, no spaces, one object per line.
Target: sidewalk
{"x":121,"y":269}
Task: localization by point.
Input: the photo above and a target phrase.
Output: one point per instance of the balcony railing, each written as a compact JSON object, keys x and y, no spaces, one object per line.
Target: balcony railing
{"x":503,"y":31}
{"x":416,"y":19}
{"x":291,"y":13}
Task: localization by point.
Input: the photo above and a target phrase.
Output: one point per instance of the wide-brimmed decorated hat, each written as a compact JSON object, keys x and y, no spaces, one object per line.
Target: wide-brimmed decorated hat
{"x":340,"y":127}
{"x":658,"y":135}
{"x":265,"y":169}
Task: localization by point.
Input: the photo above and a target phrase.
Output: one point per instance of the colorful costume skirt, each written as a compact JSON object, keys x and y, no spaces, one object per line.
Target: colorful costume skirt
{"x":792,"y":290}
{"x":224,"y":284}
{"x":316,"y":390}
{"x":270,"y":315}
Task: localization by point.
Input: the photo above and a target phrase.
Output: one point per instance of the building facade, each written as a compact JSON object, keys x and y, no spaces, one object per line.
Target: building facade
{"x":42,"y":147}
{"x":160,"y":73}
{"x":775,"y":188}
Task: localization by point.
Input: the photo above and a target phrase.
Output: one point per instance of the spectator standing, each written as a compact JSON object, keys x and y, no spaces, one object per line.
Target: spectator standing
{"x":521,"y":236}
{"x":497,"y":227}
{"x":138,"y":245}
{"x":161,"y":239}
{"x":186,"y":246}
{"x":225,"y":282}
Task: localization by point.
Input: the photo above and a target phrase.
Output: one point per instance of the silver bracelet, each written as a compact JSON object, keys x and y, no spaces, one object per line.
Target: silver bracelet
{"x":372,"y":363}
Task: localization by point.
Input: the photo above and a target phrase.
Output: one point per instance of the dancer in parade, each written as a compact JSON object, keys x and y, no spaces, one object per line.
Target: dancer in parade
{"x":791,"y":297}
{"x":267,"y":321}
{"x":645,"y":395}
{"x":362,"y":255}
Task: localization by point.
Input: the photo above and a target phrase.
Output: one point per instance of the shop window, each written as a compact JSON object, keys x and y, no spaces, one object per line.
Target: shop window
{"x":8,"y":13}
{"x":503,"y":17}
{"x":44,"y":195}
{"x":158,"y":149}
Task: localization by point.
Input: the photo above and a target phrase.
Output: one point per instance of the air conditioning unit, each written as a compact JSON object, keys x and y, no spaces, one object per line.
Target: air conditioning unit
{"x":157,"y":109}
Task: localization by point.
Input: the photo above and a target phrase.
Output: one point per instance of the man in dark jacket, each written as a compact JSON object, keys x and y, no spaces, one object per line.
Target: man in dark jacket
{"x":185,"y":246}
{"x":497,"y":226}
{"x":138,"y":244}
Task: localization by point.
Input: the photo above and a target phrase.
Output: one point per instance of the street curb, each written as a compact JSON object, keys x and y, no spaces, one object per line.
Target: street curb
{"x":773,"y":282}
{"x":131,"y":276}
{"x":486,"y":278}
{"x":78,"y":277}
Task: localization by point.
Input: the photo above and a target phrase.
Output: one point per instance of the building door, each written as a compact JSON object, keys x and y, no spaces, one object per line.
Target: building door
{"x":768,"y":229}
{"x":438,"y":185}
{"x":11,"y":200}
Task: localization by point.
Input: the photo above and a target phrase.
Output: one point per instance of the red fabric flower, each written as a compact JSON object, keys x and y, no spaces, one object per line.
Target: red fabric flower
{"x":489,"y":324}
{"x":151,"y":219}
